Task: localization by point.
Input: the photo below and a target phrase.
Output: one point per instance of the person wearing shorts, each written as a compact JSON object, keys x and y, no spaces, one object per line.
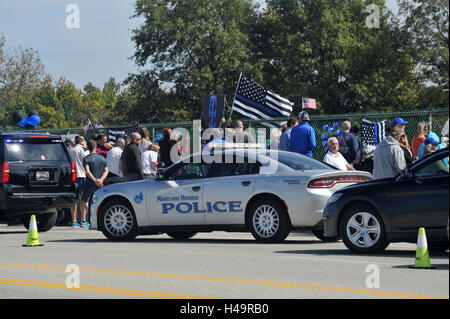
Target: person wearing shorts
{"x":96,"y":172}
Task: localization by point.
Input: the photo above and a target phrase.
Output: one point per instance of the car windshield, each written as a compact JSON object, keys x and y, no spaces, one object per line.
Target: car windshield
{"x":35,"y":151}
{"x":296,"y":161}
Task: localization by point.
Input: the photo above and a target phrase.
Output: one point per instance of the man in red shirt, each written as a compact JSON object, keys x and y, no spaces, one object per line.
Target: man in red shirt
{"x":103,"y":146}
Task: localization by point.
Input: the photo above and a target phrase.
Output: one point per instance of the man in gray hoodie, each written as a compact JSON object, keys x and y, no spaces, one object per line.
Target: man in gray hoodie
{"x":389,"y":159}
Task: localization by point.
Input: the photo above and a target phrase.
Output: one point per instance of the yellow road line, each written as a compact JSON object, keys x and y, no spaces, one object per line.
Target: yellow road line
{"x":128,"y":292}
{"x":238,"y":281}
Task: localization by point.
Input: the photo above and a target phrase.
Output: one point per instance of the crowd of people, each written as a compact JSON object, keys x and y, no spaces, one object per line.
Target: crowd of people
{"x":344,"y":151}
{"x":131,"y":158}
{"x":135,"y":157}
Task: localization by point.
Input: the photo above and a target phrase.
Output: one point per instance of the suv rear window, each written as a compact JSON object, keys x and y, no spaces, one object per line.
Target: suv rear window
{"x":35,"y":150}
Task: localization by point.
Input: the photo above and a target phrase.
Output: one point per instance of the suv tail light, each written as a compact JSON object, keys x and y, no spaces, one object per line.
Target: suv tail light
{"x":74,"y":173}
{"x":4,"y":173}
{"x":328,"y":182}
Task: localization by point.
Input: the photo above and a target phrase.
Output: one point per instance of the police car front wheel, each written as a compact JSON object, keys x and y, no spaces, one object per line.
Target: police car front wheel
{"x":118,"y":221}
{"x":268,"y":221}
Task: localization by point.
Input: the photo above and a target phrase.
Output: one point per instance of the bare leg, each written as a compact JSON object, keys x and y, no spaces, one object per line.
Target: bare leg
{"x":84,"y":208}
{"x":73,"y":211}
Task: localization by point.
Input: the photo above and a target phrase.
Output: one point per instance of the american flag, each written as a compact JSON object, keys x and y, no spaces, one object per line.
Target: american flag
{"x":255,"y":102}
{"x":86,"y":127}
{"x":115,"y":133}
{"x":308,"y":103}
{"x":372,"y":133}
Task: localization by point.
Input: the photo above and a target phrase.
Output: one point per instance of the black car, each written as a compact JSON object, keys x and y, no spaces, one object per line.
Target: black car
{"x":37,"y":177}
{"x":368,"y":216}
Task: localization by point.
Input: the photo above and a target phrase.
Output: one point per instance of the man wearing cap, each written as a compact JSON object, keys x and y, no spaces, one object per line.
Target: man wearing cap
{"x":400,"y":123}
{"x":303,"y":137}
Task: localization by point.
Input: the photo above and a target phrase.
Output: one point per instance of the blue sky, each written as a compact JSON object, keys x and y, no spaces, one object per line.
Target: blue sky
{"x":99,"y":49}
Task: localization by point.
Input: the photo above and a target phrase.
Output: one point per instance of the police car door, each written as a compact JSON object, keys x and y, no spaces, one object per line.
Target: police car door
{"x":178,"y":197}
{"x":228,"y":189}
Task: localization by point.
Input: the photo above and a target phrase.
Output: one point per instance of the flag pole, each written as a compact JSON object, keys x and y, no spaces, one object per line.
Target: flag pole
{"x":237,"y":87}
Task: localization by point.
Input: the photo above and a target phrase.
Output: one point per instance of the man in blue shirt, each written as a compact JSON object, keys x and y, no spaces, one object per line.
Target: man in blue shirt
{"x":303,"y":137}
{"x":286,"y":136}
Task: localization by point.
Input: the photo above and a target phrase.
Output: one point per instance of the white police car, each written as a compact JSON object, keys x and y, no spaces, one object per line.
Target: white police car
{"x":266,"y":192}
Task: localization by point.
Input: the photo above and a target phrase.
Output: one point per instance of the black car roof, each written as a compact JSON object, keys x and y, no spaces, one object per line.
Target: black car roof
{"x":27,"y":134}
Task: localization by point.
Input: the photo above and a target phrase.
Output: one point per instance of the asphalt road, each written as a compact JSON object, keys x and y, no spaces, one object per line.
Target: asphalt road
{"x":82,"y":264}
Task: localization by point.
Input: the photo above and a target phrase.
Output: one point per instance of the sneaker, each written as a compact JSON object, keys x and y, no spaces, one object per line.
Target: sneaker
{"x":85,"y":224}
{"x":76,"y":224}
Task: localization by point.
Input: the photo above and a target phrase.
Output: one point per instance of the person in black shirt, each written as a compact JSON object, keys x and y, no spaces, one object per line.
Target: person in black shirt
{"x":167,"y":149}
{"x":96,"y":172}
{"x":348,"y":143}
{"x":131,"y":162}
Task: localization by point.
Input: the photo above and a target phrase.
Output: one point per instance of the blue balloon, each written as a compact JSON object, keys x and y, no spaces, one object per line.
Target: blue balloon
{"x":335,"y":124}
{"x":158,"y":137}
{"x":337,"y":132}
{"x":23,"y":122}
{"x":324,"y":136}
{"x":330,"y":130}
{"x":324,"y":143}
{"x":325,"y":127}
{"x":34,"y":120}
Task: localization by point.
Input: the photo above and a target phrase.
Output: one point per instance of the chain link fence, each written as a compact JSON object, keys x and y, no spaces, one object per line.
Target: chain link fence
{"x":435,"y":117}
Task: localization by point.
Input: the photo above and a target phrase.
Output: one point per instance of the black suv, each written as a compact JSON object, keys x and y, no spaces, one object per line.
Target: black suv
{"x":37,"y":177}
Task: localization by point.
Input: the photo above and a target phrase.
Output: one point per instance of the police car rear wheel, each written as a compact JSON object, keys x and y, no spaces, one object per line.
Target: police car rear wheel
{"x":118,"y":220}
{"x":269,"y":222}
{"x":181,"y":235}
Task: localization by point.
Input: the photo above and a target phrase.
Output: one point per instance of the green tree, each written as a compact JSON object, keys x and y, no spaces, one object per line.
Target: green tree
{"x":324,"y":49}
{"x":92,"y":106}
{"x":110,"y":92}
{"x":426,"y":22}
{"x":21,"y":72}
{"x":71,"y":100}
{"x":51,"y":118}
{"x":193,"y":47}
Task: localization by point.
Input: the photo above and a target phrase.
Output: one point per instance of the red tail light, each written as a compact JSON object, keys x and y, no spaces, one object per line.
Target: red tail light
{"x":328,"y":182}
{"x":74,"y":173}
{"x":4,"y":173}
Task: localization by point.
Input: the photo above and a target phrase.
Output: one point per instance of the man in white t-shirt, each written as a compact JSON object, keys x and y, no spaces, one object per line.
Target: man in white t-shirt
{"x":333,"y":157}
{"x":77,"y":154}
{"x":113,"y":159}
{"x":150,"y":161}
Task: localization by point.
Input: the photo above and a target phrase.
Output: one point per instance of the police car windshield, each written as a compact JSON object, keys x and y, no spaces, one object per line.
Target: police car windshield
{"x":296,"y":161}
